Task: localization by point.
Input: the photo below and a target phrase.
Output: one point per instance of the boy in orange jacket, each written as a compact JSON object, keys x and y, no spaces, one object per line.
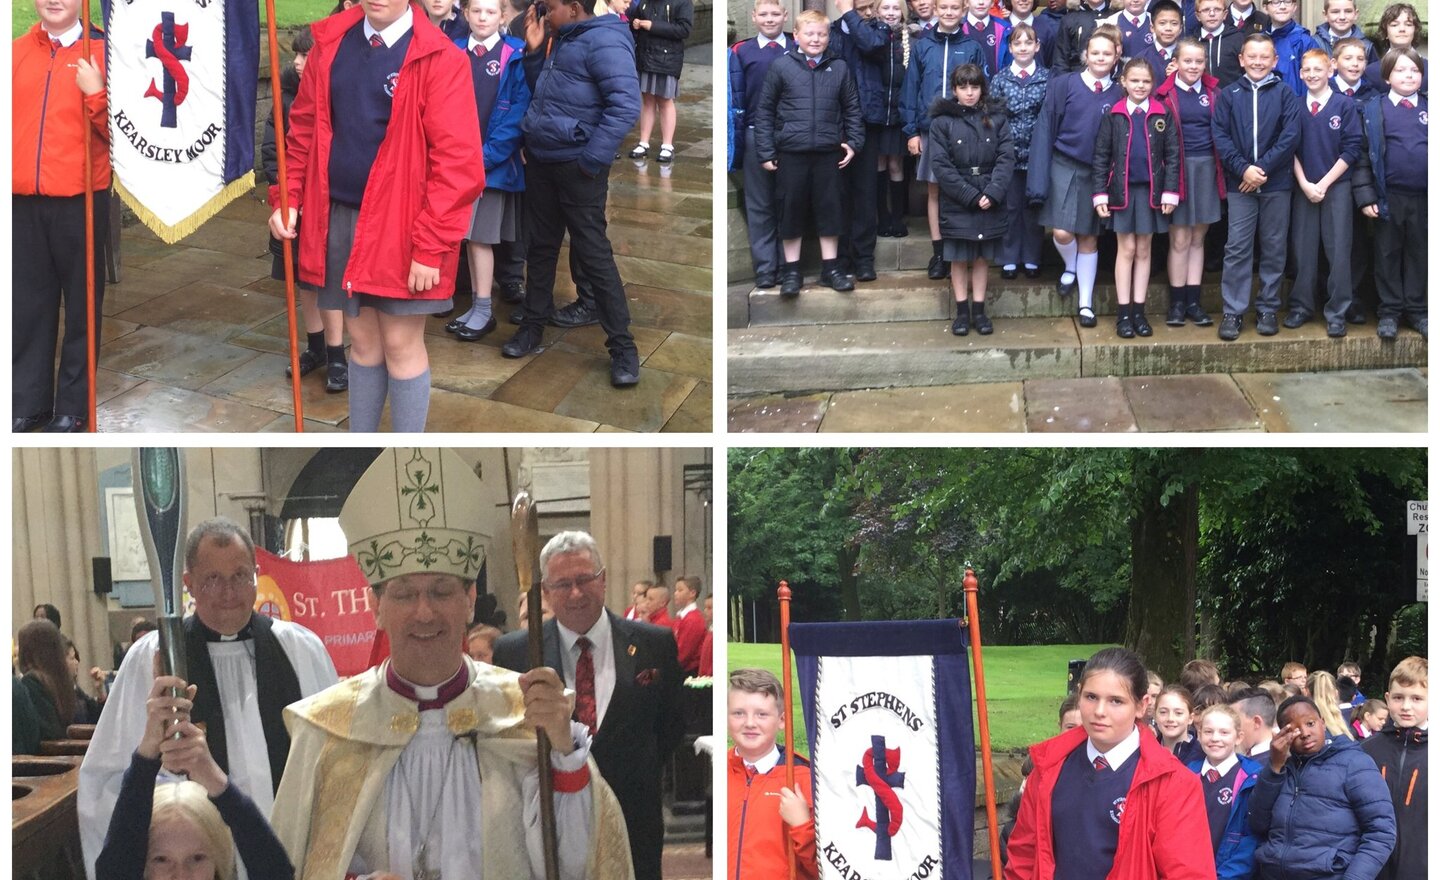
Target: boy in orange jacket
{"x":55,"y":93}
{"x":767,"y":820}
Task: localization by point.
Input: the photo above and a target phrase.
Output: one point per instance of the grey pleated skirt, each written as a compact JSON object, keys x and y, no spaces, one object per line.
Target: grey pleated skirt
{"x":1070,"y":204}
{"x":1137,"y":216}
{"x":337,"y":254}
{"x":923,"y":171}
{"x":960,"y":250}
{"x":659,"y":85}
{"x":494,"y":218}
{"x":1202,"y":195}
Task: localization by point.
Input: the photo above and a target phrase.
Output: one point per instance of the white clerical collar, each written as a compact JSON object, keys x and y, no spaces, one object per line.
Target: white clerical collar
{"x":1028,"y":70}
{"x":765,"y":764}
{"x":489,"y":42}
{"x":1090,"y":81}
{"x":1224,"y":766}
{"x":598,"y":634}
{"x":69,"y":37}
{"x":764,"y":41}
{"x":1395,"y":98}
{"x":686,"y":610}
{"x":397,"y":29}
{"x":1117,"y":755}
{"x":427,"y":693}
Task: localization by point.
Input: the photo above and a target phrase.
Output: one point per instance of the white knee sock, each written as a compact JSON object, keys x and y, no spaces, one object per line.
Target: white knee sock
{"x":1067,"y":254}
{"x":1085,"y":266}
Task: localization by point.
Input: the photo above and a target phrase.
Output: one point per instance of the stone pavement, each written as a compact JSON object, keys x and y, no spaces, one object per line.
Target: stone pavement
{"x":1342,"y":400}
{"x":195,"y":336}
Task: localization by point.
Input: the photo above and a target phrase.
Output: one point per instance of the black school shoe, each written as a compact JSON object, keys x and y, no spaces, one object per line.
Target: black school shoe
{"x":1068,"y":289}
{"x":938,"y":268}
{"x":576,"y":314}
{"x":764,"y":280}
{"x":1230,"y":327}
{"x":26,"y":424}
{"x":1142,"y":326}
{"x":961,"y":325}
{"x":790,"y":281}
{"x":1175,"y":316}
{"x":1009,"y":273}
{"x":1266,"y":324}
{"x":835,"y":278}
{"x":1124,"y":328}
{"x":865,"y":270}
{"x":337,"y":375}
{"x":1087,"y":318}
{"x":1419,"y":325}
{"x":1296,"y":319}
{"x":65,"y":425}
{"x":310,"y":361}
{"x":983,"y":326}
{"x":512,"y":292}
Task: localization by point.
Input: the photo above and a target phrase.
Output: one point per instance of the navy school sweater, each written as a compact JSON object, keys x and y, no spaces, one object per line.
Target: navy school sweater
{"x":748,"y":65}
{"x":1333,"y":133}
{"x":1070,"y":122}
{"x":1194,"y":121}
{"x":1087,"y":826}
{"x":362,"y":83}
{"x":1406,"y":140}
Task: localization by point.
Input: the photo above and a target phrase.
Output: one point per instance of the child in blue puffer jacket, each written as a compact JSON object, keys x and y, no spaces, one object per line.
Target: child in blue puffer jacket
{"x":501,"y":99}
{"x":1319,"y":809}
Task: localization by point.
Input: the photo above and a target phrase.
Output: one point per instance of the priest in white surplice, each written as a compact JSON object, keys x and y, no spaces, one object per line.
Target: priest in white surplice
{"x":229,"y":648}
{"x":425,"y":766}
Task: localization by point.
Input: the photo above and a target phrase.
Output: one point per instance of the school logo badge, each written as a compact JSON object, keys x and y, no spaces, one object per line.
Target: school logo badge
{"x":1117,"y":810}
{"x":1204,"y":100}
{"x":880,"y":770}
{"x":1150,"y":39}
{"x":390,"y":82}
{"x":1105,"y":108}
{"x":492,"y":67}
{"x":167,"y":43}
{"x":1224,"y":796}
{"x":1334,"y":123}
{"x":990,"y":40}
{"x":1424,"y":117}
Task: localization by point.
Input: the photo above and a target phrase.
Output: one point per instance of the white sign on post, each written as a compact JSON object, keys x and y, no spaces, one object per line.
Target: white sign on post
{"x":1422,"y":568}
{"x":1415,"y":518}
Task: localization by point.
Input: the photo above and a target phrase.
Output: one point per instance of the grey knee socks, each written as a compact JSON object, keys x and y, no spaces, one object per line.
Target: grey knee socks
{"x":368,"y":386}
{"x":409,"y":403}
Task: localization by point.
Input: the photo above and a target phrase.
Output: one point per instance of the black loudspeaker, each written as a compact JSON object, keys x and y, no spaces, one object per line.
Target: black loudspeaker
{"x":661,"y":553}
{"x":100,"y":574}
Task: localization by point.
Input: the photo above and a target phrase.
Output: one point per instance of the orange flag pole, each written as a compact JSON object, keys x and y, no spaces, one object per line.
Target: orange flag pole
{"x":972,"y":611}
{"x":784,"y":594}
{"x":287,"y":254}
{"x":89,"y":178}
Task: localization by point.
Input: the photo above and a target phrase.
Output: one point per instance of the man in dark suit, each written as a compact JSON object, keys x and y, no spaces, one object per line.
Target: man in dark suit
{"x":626,"y":680}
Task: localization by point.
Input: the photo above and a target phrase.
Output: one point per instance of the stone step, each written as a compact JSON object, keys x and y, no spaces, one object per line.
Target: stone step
{"x":910,"y":296}
{"x":835,"y":357}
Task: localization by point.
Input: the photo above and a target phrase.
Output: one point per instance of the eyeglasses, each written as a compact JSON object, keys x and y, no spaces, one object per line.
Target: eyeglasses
{"x":569,"y":584}
{"x":436,"y":593}
{"x":214,"y":583}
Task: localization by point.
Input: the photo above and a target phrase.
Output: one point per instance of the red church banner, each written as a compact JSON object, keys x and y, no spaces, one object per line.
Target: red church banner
{"x":330,"y":598}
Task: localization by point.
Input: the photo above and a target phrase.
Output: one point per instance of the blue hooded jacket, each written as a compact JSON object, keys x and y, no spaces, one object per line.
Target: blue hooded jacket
{"x":932,"y":58}
{"x":586,"y":94}
{"x":1235,"y":859}
{"x":1328,"y":817}
{"x":500,"y":135}
{"x":1257,"y":124}
{"x":1292,"y":41}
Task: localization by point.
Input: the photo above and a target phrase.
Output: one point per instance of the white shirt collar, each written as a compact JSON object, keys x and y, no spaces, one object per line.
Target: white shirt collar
{"x":1131,"y":106}
{"x":1323,"y":98}
{"x":765,"y":41}
{"x":1223,"y":767}
{"x":1090,"y":81}
{"x":1117,"y":755}
{"x":489,"y":42}
{"x":1344,"y":83}
{"x":1180,"y":83}
{"x":978,"y":24}
{"x":1345,"y":36}
{"x":1166,"y":51}
{"x":1030,"y":19}
{"x":395,"y":31}
{"x":598,"y":634}
{"x":1142,"y":17}
{"x":765,"y":764}
{"x":70,"y":37}
{"x":1028,"y":70}
{"x":1235,"y":17}
{"x":1395,"y":98}
{"x":1260,"y":748}
{"x":1215,"y":33}
{"x":686,"y":610}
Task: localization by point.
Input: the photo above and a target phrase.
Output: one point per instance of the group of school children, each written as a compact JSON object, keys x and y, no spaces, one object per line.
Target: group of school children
{"x":1136,"y":117}
{"x":1146,"y":782}
{"x":379,"y":213}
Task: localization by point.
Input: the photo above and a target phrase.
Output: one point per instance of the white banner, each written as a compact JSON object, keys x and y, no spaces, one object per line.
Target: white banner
{"x":876,"y":768}
{"x":168,"y":121}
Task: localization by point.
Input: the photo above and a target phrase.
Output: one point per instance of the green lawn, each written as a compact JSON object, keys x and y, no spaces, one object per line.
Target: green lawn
{"x":1024,"y":684}
{"x":288,"y":13}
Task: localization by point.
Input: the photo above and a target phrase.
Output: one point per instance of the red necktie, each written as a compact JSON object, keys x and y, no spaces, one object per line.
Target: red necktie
{"x":1314,"y":109}
{"x":811,"y":62}
{"x":1405,"y":102}
{"x":1135,"y":23}
{"x":1212,"y":777}
{"x":376,"y":41}
{"x":1099,"y":88}
{"x":1209,"y":37}
{"x":585,"y":685}
{"x":1350,"y":93}
{"x":479,"y":50}
{"x":1101,"y":763}
{"x":55,"y":45}
{"x":1024,"y":74}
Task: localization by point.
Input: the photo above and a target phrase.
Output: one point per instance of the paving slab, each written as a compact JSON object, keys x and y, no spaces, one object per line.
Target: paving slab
{"x":773,"y":413}
{"x":262,"y":382}
{"x":172,"y":358}
{"x":1190,"y":403}
{"x":1078,"y":405}
{"x":1380,"y":400}
{"x":204,"y":308}
{"x":644,"y":407}
{"x":992,"y":407}
{"x":462,"y":414}
{"x":694,"y":415}
{"x":163,"y":409}
{"x":683,"y":354}
{"x":907,"y":354}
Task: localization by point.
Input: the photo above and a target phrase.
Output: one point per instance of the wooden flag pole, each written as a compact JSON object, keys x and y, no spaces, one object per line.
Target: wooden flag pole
{"x":972,"y":611}
{"x":89,"y":178}
{"x":287,"y":252}
{"x":525,"y":544}
{"x":789,"y":711}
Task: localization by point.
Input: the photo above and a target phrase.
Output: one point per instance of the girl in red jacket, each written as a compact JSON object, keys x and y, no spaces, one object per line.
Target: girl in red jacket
{"x":387,"y":163}
{"x":1129,"y":809}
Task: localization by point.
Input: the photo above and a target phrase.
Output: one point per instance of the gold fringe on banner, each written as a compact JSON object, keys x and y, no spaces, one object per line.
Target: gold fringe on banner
{"x":171,"y":234}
